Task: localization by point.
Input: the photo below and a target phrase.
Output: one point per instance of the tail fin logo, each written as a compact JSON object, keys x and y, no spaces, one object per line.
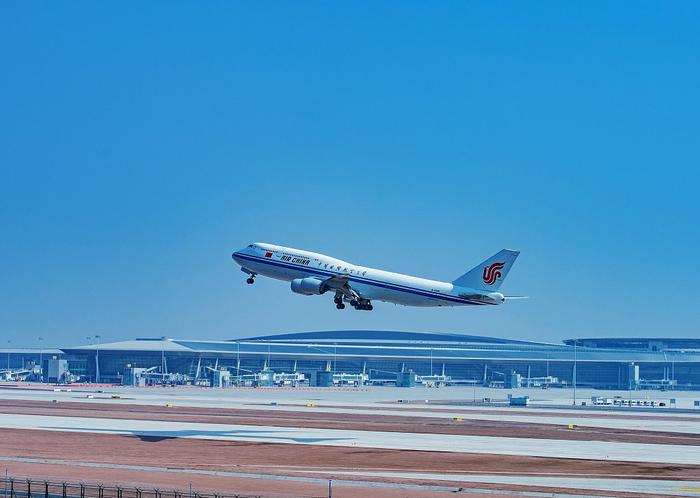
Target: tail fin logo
{"x":491,"y":273}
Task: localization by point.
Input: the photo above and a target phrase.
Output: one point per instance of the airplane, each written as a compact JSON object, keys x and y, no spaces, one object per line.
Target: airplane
{"x":15,"y":375}
{"x":311,"y":274}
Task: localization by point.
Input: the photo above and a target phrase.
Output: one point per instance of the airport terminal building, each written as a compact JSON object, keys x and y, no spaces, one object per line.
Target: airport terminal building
{"x":386,"y":357}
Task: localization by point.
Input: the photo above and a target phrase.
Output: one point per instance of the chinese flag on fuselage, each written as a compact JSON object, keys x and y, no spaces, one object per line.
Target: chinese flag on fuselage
{"x":268,"y":254}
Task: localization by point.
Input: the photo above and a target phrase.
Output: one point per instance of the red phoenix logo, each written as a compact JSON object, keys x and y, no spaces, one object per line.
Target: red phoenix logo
{"x":491,"y":273}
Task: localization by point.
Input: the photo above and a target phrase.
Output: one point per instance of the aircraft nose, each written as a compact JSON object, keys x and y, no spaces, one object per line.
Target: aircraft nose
{"x":238,"y":257}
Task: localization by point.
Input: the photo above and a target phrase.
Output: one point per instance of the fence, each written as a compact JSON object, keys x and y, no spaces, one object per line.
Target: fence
{"x":14,"y":487}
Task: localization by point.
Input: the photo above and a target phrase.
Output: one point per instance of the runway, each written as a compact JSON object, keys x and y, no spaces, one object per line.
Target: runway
{"x":589,"y":450}
{"x":338,"y":403}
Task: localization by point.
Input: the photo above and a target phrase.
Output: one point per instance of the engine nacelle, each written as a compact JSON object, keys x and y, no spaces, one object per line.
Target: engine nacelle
{"x":308,"y":286}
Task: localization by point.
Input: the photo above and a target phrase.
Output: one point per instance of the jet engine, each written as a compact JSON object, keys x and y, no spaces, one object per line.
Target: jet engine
{"x":308,"y":286}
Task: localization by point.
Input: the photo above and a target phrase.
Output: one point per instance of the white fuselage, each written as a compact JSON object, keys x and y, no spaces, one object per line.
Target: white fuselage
{"x":284,"y":263}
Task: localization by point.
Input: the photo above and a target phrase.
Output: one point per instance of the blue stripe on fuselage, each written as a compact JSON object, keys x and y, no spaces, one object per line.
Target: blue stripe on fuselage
{"x":362,"y":280}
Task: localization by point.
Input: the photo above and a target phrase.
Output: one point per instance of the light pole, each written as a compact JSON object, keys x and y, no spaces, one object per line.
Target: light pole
{"x":633,"y":374}
{"x":8,"y":358}
{"x":97,"y":359}
{"x":162,"y":356}
{"x":89,"y":339}
{"x":41,"y":360}
{"x":575,"y":358}
{"x":673,"y":374}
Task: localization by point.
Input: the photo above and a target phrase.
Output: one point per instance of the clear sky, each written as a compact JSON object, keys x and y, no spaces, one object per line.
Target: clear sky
{"x":141,"y":143}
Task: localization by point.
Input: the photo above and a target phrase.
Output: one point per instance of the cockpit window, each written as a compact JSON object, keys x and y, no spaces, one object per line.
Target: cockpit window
{"x":251,"y":245}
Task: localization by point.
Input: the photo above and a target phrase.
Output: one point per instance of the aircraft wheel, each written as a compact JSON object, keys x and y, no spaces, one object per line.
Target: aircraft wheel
{"x":340,"y":306}
{"x":369,"y":307}
{"x":250,"y":280}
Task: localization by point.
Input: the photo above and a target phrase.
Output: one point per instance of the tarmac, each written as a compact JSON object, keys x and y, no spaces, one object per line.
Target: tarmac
{"x":364,"y":440}
{"x":551,"y":448}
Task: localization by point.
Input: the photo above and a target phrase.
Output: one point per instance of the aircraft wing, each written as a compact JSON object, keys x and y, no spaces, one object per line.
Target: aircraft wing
{"x":339,"y":283}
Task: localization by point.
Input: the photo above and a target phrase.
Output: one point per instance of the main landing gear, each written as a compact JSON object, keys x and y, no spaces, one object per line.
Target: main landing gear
{"x":358,"y":304}
{"x":362,"y":304}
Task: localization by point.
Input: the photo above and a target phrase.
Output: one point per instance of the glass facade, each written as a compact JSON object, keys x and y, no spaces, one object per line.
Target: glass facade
{"x":383,"y":354}
{"x":17,"y":359}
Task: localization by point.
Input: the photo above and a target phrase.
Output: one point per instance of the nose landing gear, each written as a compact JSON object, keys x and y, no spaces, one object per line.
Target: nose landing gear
{"x":251,"y":279}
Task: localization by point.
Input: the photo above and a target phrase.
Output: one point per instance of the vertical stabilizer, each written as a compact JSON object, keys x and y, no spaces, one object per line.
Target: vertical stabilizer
{"x":490,"y":274}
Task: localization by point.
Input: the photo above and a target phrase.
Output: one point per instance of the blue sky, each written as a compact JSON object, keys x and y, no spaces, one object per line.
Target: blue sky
{"x":140,"y":144}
